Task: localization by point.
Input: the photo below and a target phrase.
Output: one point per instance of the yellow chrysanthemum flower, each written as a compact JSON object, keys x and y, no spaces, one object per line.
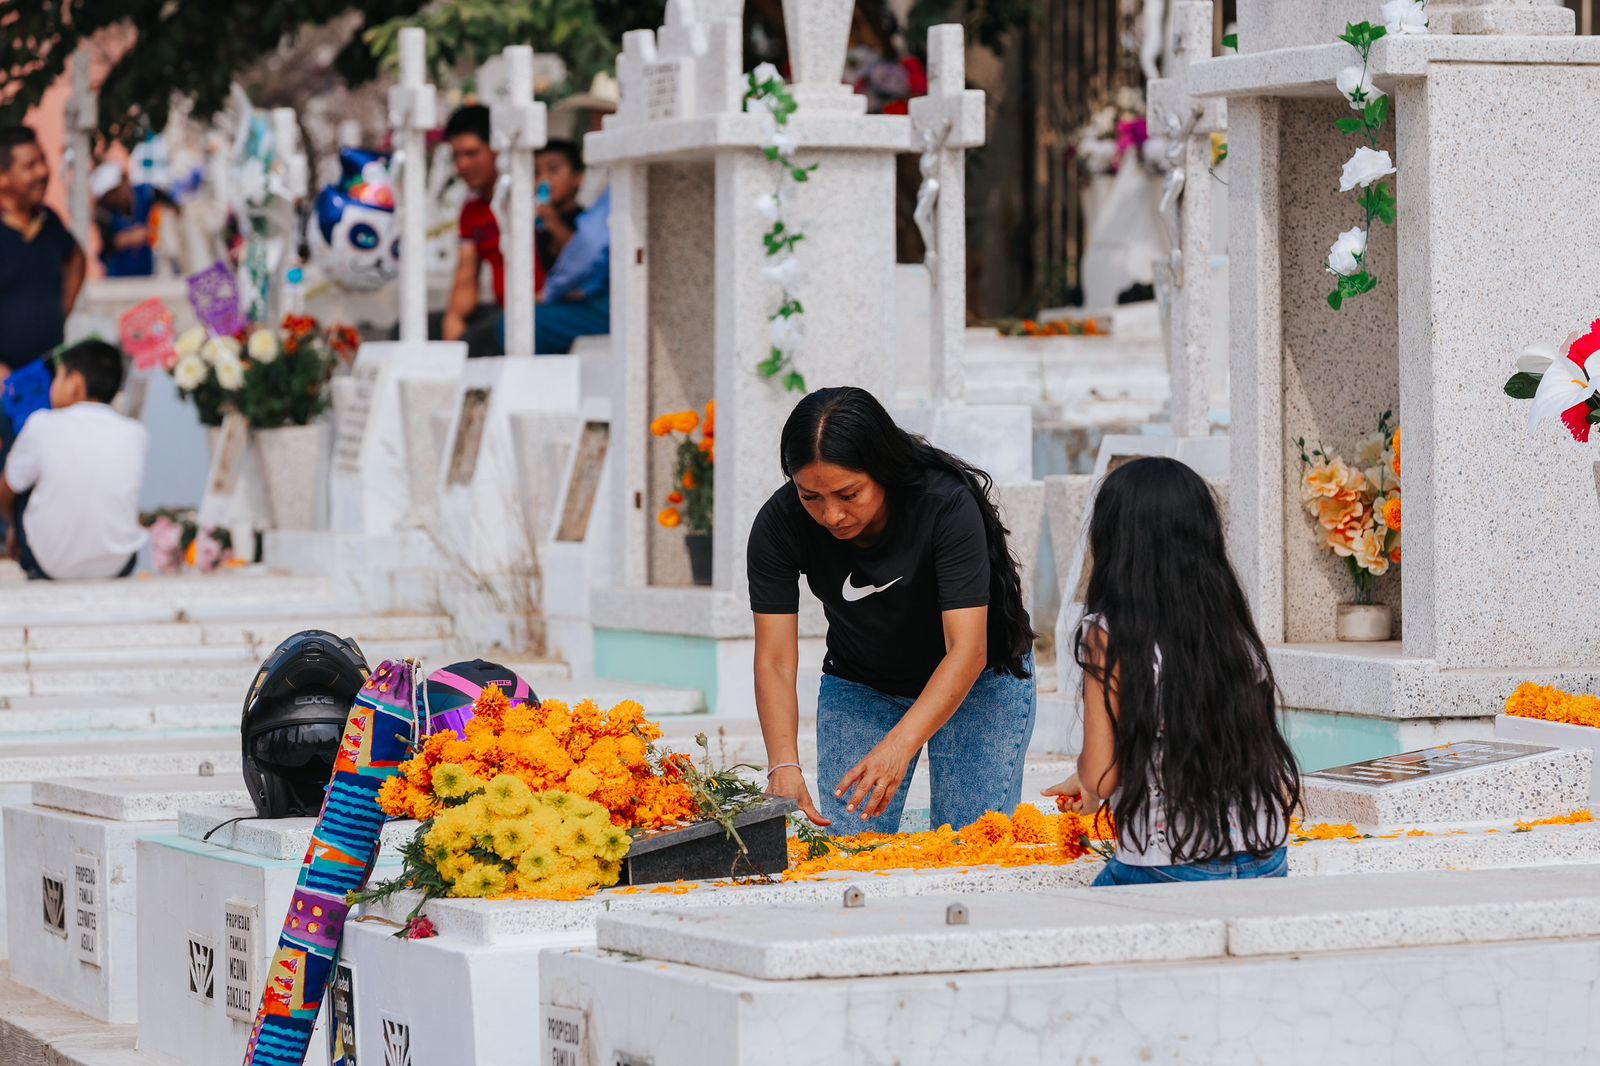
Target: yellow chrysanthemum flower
{"x":613,"y":844}
{"x":513,"y":836}
{"x":536,"y":863}
{"x":508,"y":796}
{"x":451,"y":781}
{"x":480,"y":881}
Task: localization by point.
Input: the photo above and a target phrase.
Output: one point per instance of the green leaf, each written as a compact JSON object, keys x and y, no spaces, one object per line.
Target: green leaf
{"x":1378,"y":201}
{"x":771,"y":154}
{"x":771,"y":364}
{"x":1335,"y":299}
{"x":1350,"y":125}
{"x":1231,"y":41}
{"x":1376,"y":113}
{"x":794,"y":382}
{"x":1523,"y":385}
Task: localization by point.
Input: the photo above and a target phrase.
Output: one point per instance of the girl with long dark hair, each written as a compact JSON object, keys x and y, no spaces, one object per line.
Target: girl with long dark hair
{"x":928,"y":640}
{"x":1180,"y":730}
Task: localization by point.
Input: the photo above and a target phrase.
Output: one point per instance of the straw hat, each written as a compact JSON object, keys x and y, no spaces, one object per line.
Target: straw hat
{"x":604,"y":94}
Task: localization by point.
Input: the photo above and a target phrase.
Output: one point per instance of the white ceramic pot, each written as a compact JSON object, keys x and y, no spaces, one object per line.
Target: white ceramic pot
{"x":1364,"y":622}
{"x":291,"y":460}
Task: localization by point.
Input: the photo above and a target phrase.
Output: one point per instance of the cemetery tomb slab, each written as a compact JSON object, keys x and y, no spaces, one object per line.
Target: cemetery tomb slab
{"x":1557,"y":735}
{"x":237,"y":829}
{"x":1465,"y":782}
{"x":912,"y":935}
{"x":148,"y":798}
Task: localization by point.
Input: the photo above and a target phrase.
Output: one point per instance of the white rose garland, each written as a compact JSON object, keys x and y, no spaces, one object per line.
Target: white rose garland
{"x":1369,"y":165}
{"x":768,"y":96}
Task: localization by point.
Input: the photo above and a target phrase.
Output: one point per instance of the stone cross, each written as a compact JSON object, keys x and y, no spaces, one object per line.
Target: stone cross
{"x":944,"y":124}
{"x":518,"y":131}
{"x":83,"y":117}
{"x":1184,"y":278}
{"x":413,"y":111}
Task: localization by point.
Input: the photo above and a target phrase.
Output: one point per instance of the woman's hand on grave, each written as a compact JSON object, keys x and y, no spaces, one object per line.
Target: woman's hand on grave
{"x":790,"y":783}
{"x":875,"y":780}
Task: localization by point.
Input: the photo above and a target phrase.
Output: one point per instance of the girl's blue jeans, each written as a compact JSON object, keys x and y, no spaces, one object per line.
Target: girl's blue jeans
{"x":974,"y":762}
{"x":1234,"y":868}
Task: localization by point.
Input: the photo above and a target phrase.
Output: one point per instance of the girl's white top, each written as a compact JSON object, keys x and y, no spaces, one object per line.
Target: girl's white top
{"x":1154,"y":820}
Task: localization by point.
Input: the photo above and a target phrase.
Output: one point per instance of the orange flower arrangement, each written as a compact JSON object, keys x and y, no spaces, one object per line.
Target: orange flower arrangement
{"x":1357,"y":506}
{"x":1553,"y":705}
{"x":690,"y":499}
{"x":599,"y":755}
{"x":1028,"y":838}
{"x":1582,"y":817}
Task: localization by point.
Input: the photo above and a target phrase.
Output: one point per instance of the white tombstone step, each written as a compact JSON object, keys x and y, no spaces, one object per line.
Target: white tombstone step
{"x":657,"y":701}
{"x":90,"y":597}
{"x":140,"y":797}
{"x":36,"y":760}
{"x":252,"y":631}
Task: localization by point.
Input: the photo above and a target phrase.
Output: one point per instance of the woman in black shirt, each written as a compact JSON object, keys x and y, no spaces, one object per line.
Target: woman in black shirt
{"x":928,"y":640}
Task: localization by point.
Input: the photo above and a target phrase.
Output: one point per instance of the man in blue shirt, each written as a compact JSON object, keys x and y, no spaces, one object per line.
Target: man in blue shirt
{"x":123,"y":212}
{"x":574,"y":251}
{"x":41,"y":265}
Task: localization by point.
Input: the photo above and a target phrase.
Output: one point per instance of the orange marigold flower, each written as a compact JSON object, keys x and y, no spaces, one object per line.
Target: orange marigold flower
{"x":674,"y":497}
{"x":661,"y":426}
{"x":670,"y":517}
{"x":1391,"y":513}
{"x":392,"y":796}
{"x":1395,"y":444}
{"x":689,"y":480}
{"x":685,"y":421}
{"x":1028,"y":825}
{"x":1394,"y":557}
{"x":992,"y":828}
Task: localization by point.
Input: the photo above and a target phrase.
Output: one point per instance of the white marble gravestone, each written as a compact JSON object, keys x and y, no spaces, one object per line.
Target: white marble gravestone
{"x":70,"y":858}
{"x":1557,"y":735}
{"x":1164,"y":972}
{"x":1473,"y":781}
{"x":206,"y":904}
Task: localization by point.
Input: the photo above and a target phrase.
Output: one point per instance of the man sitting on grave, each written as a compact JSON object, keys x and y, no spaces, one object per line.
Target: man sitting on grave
{"x":574,"y":246}
{"x":70,"y":488}
{"x":479,"y":246}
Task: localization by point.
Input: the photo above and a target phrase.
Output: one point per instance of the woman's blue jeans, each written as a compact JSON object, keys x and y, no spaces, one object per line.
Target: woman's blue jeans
{"x":1234,"y":868}
{"x":974,"y":761}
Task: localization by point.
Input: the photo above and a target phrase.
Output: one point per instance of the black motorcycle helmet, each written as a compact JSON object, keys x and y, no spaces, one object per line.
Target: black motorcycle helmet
{"x":294,"y":721}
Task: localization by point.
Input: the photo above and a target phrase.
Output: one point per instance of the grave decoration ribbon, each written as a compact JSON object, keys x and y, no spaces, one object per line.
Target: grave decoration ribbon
{"x":1369,"y":165}
{"x":344,"y":847}
{"x":767,"y":94}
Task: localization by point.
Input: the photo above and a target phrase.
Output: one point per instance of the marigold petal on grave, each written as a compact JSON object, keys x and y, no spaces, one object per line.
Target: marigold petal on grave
{"x":685,"y":421}
{"x":661,"y":426}
{"x":670,"y":517}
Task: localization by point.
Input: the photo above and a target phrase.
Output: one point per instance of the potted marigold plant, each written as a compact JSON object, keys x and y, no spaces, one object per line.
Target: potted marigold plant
{"x":689,"y":501}
{"x":1356,"y":509}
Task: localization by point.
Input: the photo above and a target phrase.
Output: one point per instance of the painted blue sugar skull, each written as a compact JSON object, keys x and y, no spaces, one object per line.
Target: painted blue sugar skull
{"x":355,"y":232}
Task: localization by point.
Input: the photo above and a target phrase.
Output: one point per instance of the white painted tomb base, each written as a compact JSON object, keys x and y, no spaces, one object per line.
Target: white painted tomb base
{"x":70,"y":877}
{"x":462,"y":973}
{"x":1422,"y":967}
{"x":1556,"y":734}
{"x":194,"y":1009}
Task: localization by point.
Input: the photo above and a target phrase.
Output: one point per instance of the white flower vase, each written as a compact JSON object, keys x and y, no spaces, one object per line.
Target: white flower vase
{"x":818,"y":32}
{"x":291,"y":460}
{"x":1363,"y":623}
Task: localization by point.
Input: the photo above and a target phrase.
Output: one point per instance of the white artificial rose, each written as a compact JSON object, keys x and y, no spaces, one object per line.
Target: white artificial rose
{"x":189,"y":372}
{"x":230,"y":373}
{"x":785,"y":332}
{"x":1405,"y":16}
{"x":769,"y":207}
{"x":218,"y":348}
{"x":1364,"y":168}
{"x":1342,"y":256}
{"x":786,"y":272}
{"x":783,"y":142}
{"x":190,"y":341}
{"x":1354,"y":78}
{"x":263,"y":346}
{"x":767,"y":72}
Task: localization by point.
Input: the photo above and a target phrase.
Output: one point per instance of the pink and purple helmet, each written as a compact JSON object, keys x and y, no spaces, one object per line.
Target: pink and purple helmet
{"x":452,"y":690}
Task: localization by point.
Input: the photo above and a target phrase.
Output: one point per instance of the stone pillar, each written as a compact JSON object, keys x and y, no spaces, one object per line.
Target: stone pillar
{"x":83,"y":117}
{"x":945,"y":123}
{"x":412,"y":113}
{"x":519,"y":130}
{"x":818,"y":32}
{"x":1510,"y":18}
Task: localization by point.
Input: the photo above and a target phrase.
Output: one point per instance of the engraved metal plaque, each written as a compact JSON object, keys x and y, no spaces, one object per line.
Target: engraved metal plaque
{"x":469,"y":436}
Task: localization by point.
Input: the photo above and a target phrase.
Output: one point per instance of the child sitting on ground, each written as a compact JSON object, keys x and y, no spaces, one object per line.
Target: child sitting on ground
{"x":70,"y":489}
{"x":1180,"y":732}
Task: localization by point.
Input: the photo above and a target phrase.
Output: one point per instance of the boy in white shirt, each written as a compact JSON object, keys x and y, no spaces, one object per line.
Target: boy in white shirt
{"x":70,"y":490}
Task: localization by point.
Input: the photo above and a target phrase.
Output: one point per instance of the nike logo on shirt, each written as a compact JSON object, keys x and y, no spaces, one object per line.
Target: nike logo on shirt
{"x":851,"y":593}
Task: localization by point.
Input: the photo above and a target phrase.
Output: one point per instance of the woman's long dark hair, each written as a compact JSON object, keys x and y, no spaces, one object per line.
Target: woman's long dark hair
{"x":1161,"y":581}
{"x":848,"y":427}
